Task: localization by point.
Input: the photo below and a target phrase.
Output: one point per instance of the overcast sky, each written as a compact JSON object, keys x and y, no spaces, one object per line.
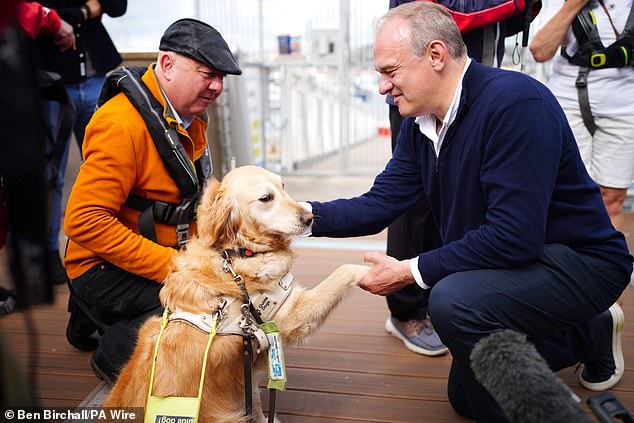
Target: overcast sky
{"x":141,"y":27}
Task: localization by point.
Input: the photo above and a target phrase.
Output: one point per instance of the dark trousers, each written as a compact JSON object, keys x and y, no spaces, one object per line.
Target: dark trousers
{"x":122,"y":301}
{"x":554,"y":301}
{"x":410,"y":234}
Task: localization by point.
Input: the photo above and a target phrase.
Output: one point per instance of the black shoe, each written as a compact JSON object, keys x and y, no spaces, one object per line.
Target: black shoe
{"x":81,"y":332}
{"x":102,"y":369}
{"x":606,"y":369}
{"x":58,"y":272}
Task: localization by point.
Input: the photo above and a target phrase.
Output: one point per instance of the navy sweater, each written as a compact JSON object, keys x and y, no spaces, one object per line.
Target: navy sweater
{"x":508,"y":180}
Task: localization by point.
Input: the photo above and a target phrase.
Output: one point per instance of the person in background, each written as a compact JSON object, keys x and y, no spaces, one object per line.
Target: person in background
{"x":21,"y":80}
{"x":415,"y":230}
{"x":600,"y":110}
{"x":113,"y":268}
{"x":83,"y":70}
{"x":527,"y":241}
{"x":37,"y":20}
{"x":22,"y":182}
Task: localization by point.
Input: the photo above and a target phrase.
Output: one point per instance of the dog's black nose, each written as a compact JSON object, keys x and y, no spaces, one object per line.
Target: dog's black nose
{"x":306,"y":218}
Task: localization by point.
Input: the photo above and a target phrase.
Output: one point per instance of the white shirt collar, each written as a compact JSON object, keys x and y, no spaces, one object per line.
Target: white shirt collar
{"x":427,"y":122}
{"x":184,"y":122}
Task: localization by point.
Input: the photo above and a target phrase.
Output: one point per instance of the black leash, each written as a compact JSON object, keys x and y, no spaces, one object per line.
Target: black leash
{"x":248,"y":357}
{"x":272,"y":393}
{"x":250,"y":314}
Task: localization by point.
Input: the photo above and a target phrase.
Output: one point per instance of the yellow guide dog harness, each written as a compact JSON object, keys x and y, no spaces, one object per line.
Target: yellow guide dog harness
{"x":181,"y":409}
{"x":250,"y":318}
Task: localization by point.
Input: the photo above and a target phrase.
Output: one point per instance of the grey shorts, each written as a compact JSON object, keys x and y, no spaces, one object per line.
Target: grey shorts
{"x":609,"y":154}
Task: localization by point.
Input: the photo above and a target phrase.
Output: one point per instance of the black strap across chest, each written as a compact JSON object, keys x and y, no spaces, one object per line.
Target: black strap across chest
{"x":188,"y":177}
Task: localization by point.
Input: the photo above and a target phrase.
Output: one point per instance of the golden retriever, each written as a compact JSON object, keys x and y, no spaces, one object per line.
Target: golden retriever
{"x":249,"y":209}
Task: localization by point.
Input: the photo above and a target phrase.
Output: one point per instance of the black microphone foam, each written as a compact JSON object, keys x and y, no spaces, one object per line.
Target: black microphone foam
{"x":521,"y":382}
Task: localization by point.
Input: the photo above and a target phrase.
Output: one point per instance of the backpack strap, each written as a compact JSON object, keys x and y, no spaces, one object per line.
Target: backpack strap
{"x":489,"y":44}
{"x":179,"y":215}
{"x":165,"y":136}
{"x":592,"y":53}
{"x":584,"y":100}
{"x":189,"y":178}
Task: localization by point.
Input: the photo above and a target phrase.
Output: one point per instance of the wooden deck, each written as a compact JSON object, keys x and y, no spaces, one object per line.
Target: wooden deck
{"x":350,"y":371}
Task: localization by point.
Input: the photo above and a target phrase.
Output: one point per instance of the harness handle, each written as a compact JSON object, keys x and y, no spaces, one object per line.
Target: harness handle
{"x":212,"y":334}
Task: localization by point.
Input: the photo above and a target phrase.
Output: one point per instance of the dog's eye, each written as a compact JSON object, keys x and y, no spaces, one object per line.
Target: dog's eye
{"x":266,"y":198}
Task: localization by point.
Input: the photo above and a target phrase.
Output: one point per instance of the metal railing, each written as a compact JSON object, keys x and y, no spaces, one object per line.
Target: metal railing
{"x":314,"y":121}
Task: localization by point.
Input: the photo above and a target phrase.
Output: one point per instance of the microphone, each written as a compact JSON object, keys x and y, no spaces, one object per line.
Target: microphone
{"x":521,"y":382}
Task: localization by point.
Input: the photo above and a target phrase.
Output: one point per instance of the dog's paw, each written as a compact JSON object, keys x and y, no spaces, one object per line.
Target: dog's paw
{"x":354,"y":272}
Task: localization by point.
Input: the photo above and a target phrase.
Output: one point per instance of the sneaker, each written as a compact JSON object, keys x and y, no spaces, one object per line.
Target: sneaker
{"x":417,"y":335}
{"x":607,"y":368}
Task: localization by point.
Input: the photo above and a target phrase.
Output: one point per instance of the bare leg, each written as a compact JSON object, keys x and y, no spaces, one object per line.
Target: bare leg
{"x":614,"y":199}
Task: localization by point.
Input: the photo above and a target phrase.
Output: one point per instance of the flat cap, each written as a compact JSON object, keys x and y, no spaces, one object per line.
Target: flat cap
{"x":201,"y":42}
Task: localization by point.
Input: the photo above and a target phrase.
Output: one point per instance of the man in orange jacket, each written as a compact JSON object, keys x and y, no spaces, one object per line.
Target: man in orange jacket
{"x":112,"y":267}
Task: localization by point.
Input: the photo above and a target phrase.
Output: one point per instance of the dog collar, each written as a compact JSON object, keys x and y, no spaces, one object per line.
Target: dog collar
{"x":241,"y":252}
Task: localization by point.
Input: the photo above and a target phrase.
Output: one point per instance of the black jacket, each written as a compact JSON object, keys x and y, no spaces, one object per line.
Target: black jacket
{"x":91,"y":37}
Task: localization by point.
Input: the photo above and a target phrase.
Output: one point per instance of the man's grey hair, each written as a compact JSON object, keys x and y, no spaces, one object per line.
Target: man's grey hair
{"x":428,"y":22}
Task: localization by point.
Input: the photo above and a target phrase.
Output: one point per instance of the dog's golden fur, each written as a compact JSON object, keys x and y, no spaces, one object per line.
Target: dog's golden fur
{"x":248,"y":209}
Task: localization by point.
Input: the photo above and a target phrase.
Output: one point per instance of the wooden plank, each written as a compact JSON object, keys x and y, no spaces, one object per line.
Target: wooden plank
{"x":353,"y":343}
{"x":73,"y":387}
{"x":366,"y":363}
{"x":300,"y":405}
{"x":367,"y":384}
{"x":350,"y":370}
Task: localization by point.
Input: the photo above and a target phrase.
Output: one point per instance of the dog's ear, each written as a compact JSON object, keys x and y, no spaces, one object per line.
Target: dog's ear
{"x":204,"y":210}
{"x":218,"y":220}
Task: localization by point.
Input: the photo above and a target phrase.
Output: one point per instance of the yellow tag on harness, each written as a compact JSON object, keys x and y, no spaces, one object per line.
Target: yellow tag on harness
{"x":172,"y":409}
{"x":175,"y":409}
{"x":277,"y":367}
